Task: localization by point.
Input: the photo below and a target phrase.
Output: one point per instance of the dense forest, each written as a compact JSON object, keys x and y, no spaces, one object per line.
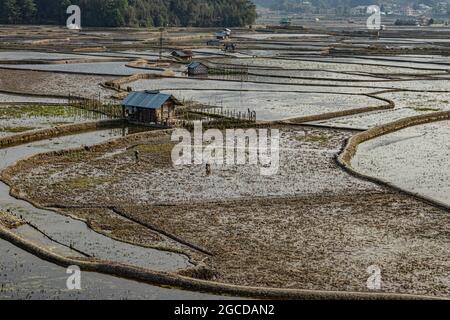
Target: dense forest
{"x":143,"y":13}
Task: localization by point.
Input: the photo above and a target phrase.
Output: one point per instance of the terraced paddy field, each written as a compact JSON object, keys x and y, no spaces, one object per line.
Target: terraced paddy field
{"x":407,"y":104}
{"x":414,"y":159}
{"x":99,"y":68}
{"x":52,"y":85}
{"x":26,"y":277}
{"x":112,"y":196}
{"x":301,"y":230}
{"x":340,"y":65}
{"x":18,"y":98}
{"x":21,"y":118}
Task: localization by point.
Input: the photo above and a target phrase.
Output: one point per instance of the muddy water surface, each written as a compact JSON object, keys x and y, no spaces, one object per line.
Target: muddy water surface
{"x":75,"y":233}
{"x":415,"y":159}
{"x":24,"y":276}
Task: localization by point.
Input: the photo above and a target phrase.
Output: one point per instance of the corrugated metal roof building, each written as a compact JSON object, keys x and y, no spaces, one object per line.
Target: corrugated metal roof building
{"x":146,"y":99}
{"x":149,"y":107}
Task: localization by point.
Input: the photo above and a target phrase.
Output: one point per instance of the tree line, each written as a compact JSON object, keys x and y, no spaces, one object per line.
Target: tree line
{"x":132,"y":13}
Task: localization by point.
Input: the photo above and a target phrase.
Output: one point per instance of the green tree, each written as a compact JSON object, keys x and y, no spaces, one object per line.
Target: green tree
{"x":28,"y":11}
{"x":11,"y":11}
{"x":116,"y":13}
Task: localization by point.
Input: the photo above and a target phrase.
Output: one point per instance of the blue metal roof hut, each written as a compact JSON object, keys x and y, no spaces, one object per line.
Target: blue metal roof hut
{"x":149,"y":107}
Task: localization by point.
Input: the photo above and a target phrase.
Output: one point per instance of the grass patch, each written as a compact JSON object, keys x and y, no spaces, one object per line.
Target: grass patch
{"x":424,"y":109}
{"x":314,"y":138}
{"x":17,"y":129}
{"x":10,"y":221}
{"x":37,"y":111}
{"x":154,"y":148}
{"x":59,"y":123}
{"x":85,"y":182}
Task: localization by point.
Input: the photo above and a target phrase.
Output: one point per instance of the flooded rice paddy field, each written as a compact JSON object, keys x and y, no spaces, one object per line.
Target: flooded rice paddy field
{"x":416,"y":159}
{"x":20,"y":118}
{"x":369,"y":120}
{"x":283,"y":105}
{"x":98,"y":68}
{"x":17,"y":98}
{"x":71,"y":232}
{"x":444,"y":60}
{"x":312,"y":75}
{"x":407,"y":104}
{"x":24,"y":276}
{"x":300,"y":228}
{"x":182,"y":184}
{"x":48,"y":84}
{"x":36,"y":55}
{"x":333,"y":65}
{"x":263,"y":36}
{"x":353,"y":85}
{"x":414,"y":64}
{"x":238,"y":84}
{"x":308,"y":205}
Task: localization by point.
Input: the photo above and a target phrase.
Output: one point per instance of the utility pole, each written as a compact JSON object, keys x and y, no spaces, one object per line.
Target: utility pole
{"x":161,"y":30}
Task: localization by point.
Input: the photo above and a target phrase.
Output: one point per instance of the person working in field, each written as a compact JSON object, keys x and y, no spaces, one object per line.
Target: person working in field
{"x":137,"y":155}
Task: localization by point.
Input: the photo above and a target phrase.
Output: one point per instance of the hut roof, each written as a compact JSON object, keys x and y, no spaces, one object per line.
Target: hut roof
{"x":147,"y":99}
{"x":196,"y":64}
{"x":221,"y":34}
{"x":182,"y":53}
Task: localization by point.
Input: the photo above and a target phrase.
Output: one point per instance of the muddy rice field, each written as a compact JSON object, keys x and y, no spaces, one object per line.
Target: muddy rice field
{"x":115,"y":195}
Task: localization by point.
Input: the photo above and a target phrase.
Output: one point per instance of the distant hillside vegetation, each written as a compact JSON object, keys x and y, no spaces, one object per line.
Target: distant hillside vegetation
{"x":439,"y":7}
{"x":143,"y":13}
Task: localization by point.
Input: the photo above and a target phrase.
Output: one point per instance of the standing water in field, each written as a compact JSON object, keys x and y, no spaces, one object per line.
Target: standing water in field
{"x":74,"y":233}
